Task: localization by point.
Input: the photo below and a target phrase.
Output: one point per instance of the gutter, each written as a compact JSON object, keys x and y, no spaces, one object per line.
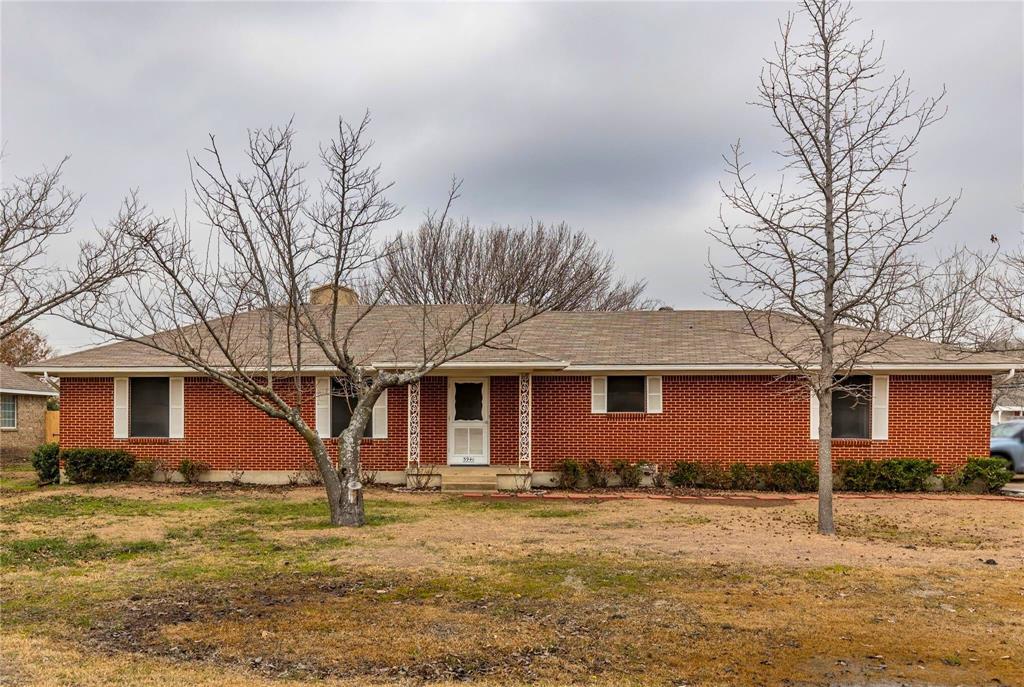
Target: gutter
{"x":553,"y":366}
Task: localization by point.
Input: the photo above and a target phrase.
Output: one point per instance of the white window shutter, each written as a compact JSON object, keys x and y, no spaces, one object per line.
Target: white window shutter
{"x":120,"y":407}
{"x":380,"y":416}
{"x":177,"y":405}
{"x":880,"y":407}
{"x":814,"y":414}
{"x":323,"y":406}
{"x":654,"y":394}
{"x":599,"y":394}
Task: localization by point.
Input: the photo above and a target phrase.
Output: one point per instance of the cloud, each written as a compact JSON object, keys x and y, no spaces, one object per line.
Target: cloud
{"x":612,"y":117}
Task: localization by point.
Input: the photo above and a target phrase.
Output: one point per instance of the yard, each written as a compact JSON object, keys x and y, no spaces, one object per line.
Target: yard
{"x":173,"y":585}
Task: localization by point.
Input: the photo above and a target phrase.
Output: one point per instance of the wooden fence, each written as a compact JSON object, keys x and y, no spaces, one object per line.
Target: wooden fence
{"x":52,"y":425}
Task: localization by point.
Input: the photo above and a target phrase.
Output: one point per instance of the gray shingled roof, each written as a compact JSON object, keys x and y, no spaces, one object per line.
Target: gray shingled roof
{"x":12,"y":381}
{"x":711,"y":339}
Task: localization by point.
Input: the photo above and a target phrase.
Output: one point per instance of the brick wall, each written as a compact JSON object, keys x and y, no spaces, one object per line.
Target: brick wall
{"x":220,"y":428}
{"x":727,"y":419}
{"x":16,"y":444}
{"x":755,"y":419}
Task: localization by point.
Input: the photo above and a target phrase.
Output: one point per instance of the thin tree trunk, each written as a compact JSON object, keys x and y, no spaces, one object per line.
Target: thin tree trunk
{"x":826,"y":520}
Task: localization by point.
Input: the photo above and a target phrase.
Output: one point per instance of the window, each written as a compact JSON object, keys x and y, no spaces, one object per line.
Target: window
{"x":343,"y":400}
{"x":626,"y":394}
{"x":149,"y":406}
{"x":8,"y":411}
{"x":469,"y":401}
{"x":851,"y":409}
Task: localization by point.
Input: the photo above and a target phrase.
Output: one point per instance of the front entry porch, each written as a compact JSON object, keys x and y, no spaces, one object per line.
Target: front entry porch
{"x":470,"y":432}
{"x":460,"y":480}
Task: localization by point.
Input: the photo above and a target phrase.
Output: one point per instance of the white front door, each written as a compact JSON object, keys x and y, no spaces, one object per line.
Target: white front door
{"x":468,"y":436}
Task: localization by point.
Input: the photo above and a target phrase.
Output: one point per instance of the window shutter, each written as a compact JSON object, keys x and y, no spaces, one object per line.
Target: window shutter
{"x":177,"y":408}
{"x":599,"y":394}
{"x":380,"y":416}
{"x":880,"y":407}
{"x":120,"y":407}
{"x":814,"y":414}
{"x":323,"y":406}
{"x":654,"y":394}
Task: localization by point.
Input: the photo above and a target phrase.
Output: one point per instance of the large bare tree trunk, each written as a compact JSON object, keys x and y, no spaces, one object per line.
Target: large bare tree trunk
{"x":349,"y":501}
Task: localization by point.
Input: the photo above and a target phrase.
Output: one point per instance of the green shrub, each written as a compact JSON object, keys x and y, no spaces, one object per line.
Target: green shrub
{"x":742,"y":476}
{"x":570,"y":474}
{"x":793,"y":475}
{"x":192,"y":469}
{"x":143,"y":471}
{"x":981,"y":474}
{"x":84,"y":465}
{"x":714,"y":477}
{"x":631,"y":474}
{"x":46,"y":462}
{"x":597,"y":474}
{"x":902,"y":474}
{"x":685,"y":473}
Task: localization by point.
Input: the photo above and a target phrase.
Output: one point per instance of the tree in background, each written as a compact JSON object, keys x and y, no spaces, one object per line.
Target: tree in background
{"x":24,"y":346}
{"x":36,"y":211}
{"x":235,"y":305}
{"x":414,"y":271}
{"x":822,"y":262}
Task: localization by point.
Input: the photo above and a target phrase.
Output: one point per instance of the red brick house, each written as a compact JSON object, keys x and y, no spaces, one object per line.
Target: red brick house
{"x":655,"y":386}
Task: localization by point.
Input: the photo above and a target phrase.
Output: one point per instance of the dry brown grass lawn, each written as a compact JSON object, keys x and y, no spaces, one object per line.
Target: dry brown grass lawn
{"x":166,"y":585}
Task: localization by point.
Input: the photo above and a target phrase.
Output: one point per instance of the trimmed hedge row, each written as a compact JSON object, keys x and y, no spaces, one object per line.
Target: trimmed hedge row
{"x":792,"y":475}
{"x":91,"y":465}
{"x":895,"y":475}
{"x":86,"y":465}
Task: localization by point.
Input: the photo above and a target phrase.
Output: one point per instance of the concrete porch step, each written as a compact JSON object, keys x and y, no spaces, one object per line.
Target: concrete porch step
{"x":461,"y":487}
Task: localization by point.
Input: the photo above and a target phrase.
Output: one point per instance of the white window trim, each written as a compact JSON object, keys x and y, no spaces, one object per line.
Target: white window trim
{"x":654,"y":400}
{"x":598,"y":394}
{"x":14,"y":427}
{"x":379,"y":417}
{"x":325,"y":412}
{"x":122,"y":387}
{"x":879,"y":407}
{"x":176,"y":408}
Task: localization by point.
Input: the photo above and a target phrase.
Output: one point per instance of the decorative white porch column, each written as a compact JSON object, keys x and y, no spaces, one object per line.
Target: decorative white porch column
{"x":414,"y":424}
{"x":525,"y":419}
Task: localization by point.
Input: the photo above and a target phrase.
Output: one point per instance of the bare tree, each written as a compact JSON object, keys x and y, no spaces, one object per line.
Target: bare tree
{"x":414,"y":271}
{"x":35,"y":211}
{"x":947,"y":304}
{"x":233,"y":306}
{"x":820,"y":262}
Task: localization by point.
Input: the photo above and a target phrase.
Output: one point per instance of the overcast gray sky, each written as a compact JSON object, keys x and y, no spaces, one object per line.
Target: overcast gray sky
{"x":612,"y":117}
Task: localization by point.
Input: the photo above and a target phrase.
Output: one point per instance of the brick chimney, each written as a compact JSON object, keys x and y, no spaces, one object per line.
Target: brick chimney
{"x":322,"y":295}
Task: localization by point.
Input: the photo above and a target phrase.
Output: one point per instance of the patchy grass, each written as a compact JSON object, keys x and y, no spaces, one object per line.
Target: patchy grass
{"x":46,"y":552}
{"x":85,"y":506}
{"x":173,"y":585}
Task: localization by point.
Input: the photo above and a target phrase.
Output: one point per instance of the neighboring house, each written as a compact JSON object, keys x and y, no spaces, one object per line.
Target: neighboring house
{"x":656,"y":386}
{"x":1007,"y":404}
{"x":22,"y":413}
